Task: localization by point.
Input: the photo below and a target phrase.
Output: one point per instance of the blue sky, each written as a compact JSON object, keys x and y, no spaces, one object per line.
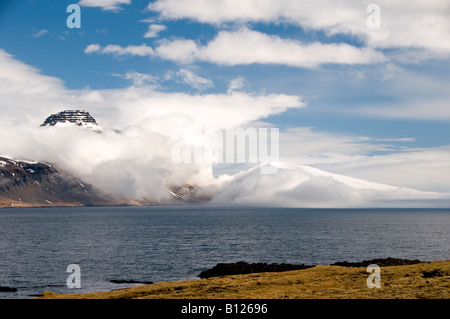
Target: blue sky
{"x":389,"y":92}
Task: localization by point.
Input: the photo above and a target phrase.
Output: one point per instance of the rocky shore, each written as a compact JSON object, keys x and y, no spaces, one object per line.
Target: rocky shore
{"x":400,"y":279}
{"x":241,"y":267}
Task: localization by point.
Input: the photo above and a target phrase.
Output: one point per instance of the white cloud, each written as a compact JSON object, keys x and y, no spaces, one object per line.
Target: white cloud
{"x":247,"y":46}
{"x":304,"y":142}
{"x":40,"y":33}
{"x":148,"y":20}
{"x":421,"y":24}
{"x":154,"y":30}
{"x":140,"y":79}
{"x":422,"y":168}
{"x":110,"y":5}
{"x":190,"y":78}
{"x":116,"y":50}
{"x":236,"y":84}
{"x":21,"y":82}
{"x":213,"y":111}
{"x":91,"y":48}
{"x":179,"y":50}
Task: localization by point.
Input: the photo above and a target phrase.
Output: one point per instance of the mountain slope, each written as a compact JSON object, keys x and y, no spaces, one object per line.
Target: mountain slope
{"x":27,"y":184}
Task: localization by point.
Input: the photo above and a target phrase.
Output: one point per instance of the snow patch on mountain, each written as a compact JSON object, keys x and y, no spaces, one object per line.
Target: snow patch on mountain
{"x":297,"y":185}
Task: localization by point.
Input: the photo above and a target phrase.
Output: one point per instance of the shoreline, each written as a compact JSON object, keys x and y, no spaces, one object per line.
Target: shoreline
{"x":184,"y":204}
{"x":421,"y":280}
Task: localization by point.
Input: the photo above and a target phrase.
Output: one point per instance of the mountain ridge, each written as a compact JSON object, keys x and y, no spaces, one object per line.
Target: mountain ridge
{"x":38,"y":184}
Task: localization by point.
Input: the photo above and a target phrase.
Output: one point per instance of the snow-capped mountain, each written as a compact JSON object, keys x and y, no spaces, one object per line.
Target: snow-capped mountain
{"x":72,"y":118}
{"x":296,"y":185}
{"x":24,"y":183}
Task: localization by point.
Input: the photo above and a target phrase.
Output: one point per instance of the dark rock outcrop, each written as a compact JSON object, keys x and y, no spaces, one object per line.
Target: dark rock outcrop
{"x":433,"y":273}
{"x":7,"y":289}
{"x":380,"y":262}
{"x":119,"y":281}
{"x":224,"y":269}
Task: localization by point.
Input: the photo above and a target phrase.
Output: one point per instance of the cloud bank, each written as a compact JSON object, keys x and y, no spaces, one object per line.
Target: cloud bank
{"x":132,"y":157}
{"x":245,"y":46}
{"x":297,"y":185}
{"x":419,"y":24}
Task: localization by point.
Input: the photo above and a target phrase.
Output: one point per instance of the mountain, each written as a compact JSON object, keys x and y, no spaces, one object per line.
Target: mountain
{"x":29,"y":184}
{"x":72,"y":118}
{"x":24,"y":183}
{"x":296,"y":185}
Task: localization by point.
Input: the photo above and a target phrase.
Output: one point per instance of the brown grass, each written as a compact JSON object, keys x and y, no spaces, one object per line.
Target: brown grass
{"x":320,"y":282}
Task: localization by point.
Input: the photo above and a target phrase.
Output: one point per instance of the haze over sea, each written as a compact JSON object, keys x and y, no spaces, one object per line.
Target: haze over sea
{"x":177,"y":243}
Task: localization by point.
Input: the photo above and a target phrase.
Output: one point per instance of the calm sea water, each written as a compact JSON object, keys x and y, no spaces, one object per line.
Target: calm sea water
{"x":173,"y":243}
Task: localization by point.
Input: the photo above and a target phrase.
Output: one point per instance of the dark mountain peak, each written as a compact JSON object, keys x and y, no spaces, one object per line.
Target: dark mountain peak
{"x":71,"y":117}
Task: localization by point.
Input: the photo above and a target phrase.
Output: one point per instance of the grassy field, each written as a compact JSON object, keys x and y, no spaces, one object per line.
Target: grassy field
{"x":426,"y":280}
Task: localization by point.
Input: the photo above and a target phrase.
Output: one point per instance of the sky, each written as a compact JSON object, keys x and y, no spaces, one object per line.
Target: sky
{"x":349,"y":96}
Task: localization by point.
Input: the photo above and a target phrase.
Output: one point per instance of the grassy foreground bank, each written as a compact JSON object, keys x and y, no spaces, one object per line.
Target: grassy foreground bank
{"x":418,"y":281}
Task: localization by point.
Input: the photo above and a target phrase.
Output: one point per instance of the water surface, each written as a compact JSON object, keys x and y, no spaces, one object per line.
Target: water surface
{"x":177,"y":243}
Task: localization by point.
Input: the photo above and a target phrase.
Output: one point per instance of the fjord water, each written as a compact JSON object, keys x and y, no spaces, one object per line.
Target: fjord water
{"x":177,"y":243}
